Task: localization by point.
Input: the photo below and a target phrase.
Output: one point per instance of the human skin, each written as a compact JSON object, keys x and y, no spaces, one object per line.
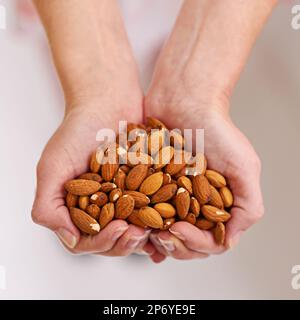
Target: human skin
{"x":209,"y":46}
{"x":101,"y":87}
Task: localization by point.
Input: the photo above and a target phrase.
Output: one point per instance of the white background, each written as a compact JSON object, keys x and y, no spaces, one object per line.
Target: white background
{"x":265,"y":106}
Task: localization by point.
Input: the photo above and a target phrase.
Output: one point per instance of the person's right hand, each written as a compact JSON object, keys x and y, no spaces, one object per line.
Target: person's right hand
{"x":65,"y":157}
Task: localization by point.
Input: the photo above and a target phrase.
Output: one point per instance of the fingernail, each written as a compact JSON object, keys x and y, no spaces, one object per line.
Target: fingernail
{"x":167,"y":244}
{"x":177,"y":234}
{"x":135,"y":241}
{"x":118,"y":233}
{"x":67,"y":238}
{"x":154,"y":240}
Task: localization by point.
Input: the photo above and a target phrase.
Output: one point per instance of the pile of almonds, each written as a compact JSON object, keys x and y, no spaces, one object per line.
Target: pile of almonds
{"x":151,"y":189}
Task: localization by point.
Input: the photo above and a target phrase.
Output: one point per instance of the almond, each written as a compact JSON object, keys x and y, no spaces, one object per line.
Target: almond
{"x":94,"y":164}
{"x":84,"y":222}
{"x":166,"y":210}
{"x":71,"y":200}
{"x":201,"y":189}
{"x":182,"y":203}
{"x":81,"y":187}
{"x":156,"y":140}
{"x":168,"y":223}
{"x":215,"y":198}
{"x":134,"y":219}
{"x":176,"y":139}
{"x":219,"y":233}
{"x":215,"y":178}
{"x":190,"y":218}
{"x":120,"y":178}
{"x":150,"y":171}
{"x":125,"y":168}
{"x":204,"y":224}
{"x":163,"y":157}
{"x":124,"y":207}
{"x":99,"y":198}
{"x":165,"y":193}
{"x":186,"y":183}
{"x":108,"y":171}
{"x":154,"y":123}
{"x":197,"y":166}
{"x":151,"y":184}
{"x":178,"y":162}
{"x":195,"y":206}
{"x":91,"y":176}
{"x":136,"y":176}
{"x":226,"y":196}
{"x":166,"y":179}
{"x":215,"y":214}
{"x":108,"y":187}
{"x":94,"y":211}
{"x":140,"y":199}
{"x":150,"y":217}
{"x":115,"y":195}
{"x":107,"y":214}
{"x":83,"y":202}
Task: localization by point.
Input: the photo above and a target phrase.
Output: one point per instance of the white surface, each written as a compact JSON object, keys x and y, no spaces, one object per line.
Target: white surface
{"x":265,"y":106}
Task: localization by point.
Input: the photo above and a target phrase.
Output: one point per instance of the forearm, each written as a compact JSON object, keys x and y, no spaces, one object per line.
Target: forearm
{"x":210,"y":43}
{"x":89,"y":45}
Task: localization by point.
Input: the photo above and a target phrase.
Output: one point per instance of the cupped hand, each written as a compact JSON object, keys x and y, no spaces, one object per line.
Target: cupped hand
{"x":65,"y":157}
{"x":229,"y":152}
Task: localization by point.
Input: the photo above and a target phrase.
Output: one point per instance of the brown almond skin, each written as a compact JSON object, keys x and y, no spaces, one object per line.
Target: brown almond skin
{"x":168,"y":223}
{"x":215,"y":214}
{"x":226,"y":196}
{"x":163,"y":157}
{"x":91,"y":176}
{"x":166,"y":179}
{"x":107,"y":214}
{"x":125,"y":168}
{"x":120,"y":179}
{"x":84,"y":222}
{"x":201,"y":189}
{"x":219,"y":233}
{"x":99,"y":198}
{"x":94,"y":165}
{"x":150,"y":217}
{"x":109,"y":170}
{"x":83,"y":202}
{"x":115,"y":195}
{"x":81,"y":187}
{"x":154,"y":123}
{"x":166,"y":210}
{"x":108,"y":187}
{"x":165,"y":193}
{"x":215,"y":178}
{"x":215,"y":198}
{"x":94,"y":211}
{"x":191,"y":218}
{"x":136,"y":176}
{"x":71,"y":200}
{"x":124,"y":207}
{"x":152,"y":184}
{"x":185,"y":183}
{"x":204,"y":224}
{"x":195,"y":206}
{"x":140,"y":200}
{"x":182,"y":203}
{"x":134,"y":219}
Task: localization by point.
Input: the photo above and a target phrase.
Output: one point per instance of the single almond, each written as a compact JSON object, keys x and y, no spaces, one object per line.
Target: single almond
{"x":134,"y":219}
{"x":140,"y":199}
{"x":201,"y":189}
{"x":81,"y":187}
{"x":154,"y":123}
{"x":166,"y":179}
{"x":190,"y":218}
{"x":166,"y":210}
{"x":107,"y":214}
{"x":99,"y":198}
{"x":120,"y":178}
{"x":115,"y":195}
{"x":165,"y":193}
{"x":226,"y":196}
{"x":108,"y":171}
{"x":178,"y":162}
{"x":186,"y":183}
{"x":163,"y":157}
{"x":71,"y":200}
{"x":215,"y":198}
{"x":151,"y":184}
{"x":195,"y":206}
{"x":219,"y":233}
{"x":204,"y":224}
{"x":94,"y":164}
{"x":94,"y":211}
{"x":84,"y":222}
{"x":136,"y":176}
{"x":91,"y":176}
{"x":215,"y":214}
{"x":150,"y":217}
{"x":150,"y":171}
{"x":168,"y":223}
{"x":182,"y":203}
{"x":124,"y":207}
{"x":83,"y":202}
{"x":215,"y":178}
{"x":108,"y":187}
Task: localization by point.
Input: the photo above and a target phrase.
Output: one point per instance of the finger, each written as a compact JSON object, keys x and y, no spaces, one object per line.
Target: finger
{"x":157,"y":244}
{"x":129,"y":241}
{"x":195,"y":239}
{"x":104,"y":240}
{"x":177,"y":249}
{"x":146,"y":248}
{"x":157,"y":257}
